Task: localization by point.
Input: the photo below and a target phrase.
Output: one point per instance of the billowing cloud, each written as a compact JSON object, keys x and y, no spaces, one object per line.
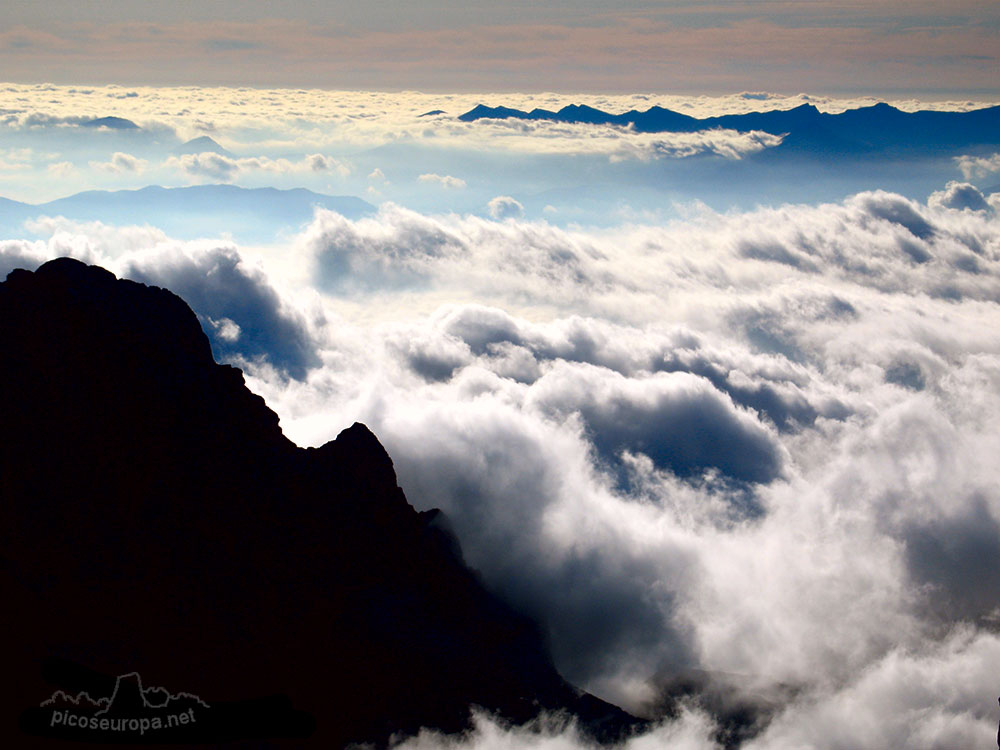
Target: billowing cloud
{"x":592,"y":461}
{"x":941,"y":696}
{"x":692,"y":730}
{"x":17,"y":254}
{"x":505,"y":207}
{"x":680,"y":421}
{"x":321,"y":163}
{"x":741,"y":466}
{"x":102,"y":242}
{"x":244,"y":316}
{"x":876,"y":240}
{"x":959,"y":196}
{"x":616,"y":142}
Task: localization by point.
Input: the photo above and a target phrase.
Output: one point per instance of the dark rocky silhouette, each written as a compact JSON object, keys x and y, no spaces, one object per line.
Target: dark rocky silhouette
{"x":155,"y":520}
{"x":877,"y":130}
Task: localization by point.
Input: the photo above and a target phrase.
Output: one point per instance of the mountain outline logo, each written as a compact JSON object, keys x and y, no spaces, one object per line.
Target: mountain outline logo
{"x":130,"y":709}
{"x":93,"y":707}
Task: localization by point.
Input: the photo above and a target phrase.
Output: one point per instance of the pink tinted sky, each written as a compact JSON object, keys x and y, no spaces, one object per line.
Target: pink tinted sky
{"x":919,"y":47}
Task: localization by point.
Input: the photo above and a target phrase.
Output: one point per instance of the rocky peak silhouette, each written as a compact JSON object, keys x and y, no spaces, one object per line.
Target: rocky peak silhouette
{"x":155,"y":520}
{"x":878,"y":130}
{"x":128,"y":697}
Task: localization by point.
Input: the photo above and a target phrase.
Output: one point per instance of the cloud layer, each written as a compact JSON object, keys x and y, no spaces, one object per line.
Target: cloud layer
{"x":741,"y":466}
{"x":220,"y":168}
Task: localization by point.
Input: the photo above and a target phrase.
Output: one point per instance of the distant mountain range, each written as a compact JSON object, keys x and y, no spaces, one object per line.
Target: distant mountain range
{"x":877,"y":130}
{"x":250,"y":214}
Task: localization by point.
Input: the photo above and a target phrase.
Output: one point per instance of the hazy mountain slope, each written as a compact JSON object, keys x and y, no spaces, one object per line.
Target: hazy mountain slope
{"x":249,"y":214}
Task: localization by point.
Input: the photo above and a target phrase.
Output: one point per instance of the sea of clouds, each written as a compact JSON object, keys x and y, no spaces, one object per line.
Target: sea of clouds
{"x":741,"y":466}
{"x":327,"y":140}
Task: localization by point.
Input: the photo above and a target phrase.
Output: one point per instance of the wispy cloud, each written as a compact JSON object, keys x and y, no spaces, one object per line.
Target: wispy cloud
{"x":121,"y":163}
{"x":215,"y":166}
{"x":14,"y":160}
{"x":60,"y":169}
{"x":978,"y":166}
{"x":445,"y":181}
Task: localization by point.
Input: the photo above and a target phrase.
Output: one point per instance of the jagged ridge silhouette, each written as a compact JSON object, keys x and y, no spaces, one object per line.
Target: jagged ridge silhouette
{"x":880,"y":129}
{"x":155,"y":520}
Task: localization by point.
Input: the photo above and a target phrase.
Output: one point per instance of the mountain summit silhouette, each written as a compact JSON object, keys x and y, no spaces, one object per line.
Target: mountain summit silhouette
{"x":128,"y":697}
{"x":156,"y":520}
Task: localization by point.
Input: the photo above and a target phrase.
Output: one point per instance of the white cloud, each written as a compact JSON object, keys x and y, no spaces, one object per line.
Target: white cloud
{"x":753,"y":454}
{"x":321,"y":163}
{"x":20,"y":254}
{"x":226,"y":329}
{"x":978,"y":166}
{"x":692,"y":730}
{"x":877,"y":240}
{"x":61,"y":169}
{"x":505,"y":207}
{"x":105,"y":239}
{"x":959,"y":196}
{"x":246,"y":317}
{"x":207,"y":164}
{"x":616,"y":142}
{"x":121,"y":163}
{"x":215,"y":166}
{"x":445,"y":181}
{"x":850,"y":344}
{"x":941,"y":696}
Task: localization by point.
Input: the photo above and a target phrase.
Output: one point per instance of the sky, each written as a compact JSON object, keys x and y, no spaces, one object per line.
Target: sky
{"x":889,"y":47}
{"x":716,"y":412}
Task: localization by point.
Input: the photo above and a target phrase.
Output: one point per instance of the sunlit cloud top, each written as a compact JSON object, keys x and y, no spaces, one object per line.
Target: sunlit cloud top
{"x":195,"y":110}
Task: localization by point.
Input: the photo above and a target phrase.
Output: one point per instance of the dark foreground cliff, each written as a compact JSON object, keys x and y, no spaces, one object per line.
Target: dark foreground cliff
{"x":156,"y":523}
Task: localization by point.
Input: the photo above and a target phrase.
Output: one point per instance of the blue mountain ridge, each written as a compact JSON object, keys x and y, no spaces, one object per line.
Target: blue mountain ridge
{"x":190,"y":211}
{"x":112,"y":123}
{"x":878,"y":129}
